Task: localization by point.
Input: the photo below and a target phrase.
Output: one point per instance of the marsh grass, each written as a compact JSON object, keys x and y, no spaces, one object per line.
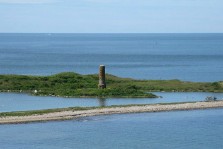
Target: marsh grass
{"x":69,"y":84}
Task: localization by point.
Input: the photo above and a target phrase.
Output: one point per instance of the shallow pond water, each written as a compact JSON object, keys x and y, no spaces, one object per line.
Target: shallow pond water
{"x":21,"y":102}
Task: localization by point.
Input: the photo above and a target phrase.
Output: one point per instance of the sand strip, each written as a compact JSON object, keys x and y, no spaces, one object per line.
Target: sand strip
{"x":65,"y":115}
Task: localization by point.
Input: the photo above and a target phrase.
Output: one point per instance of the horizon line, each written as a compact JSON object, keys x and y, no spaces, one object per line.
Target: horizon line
{"x":109,"y":33}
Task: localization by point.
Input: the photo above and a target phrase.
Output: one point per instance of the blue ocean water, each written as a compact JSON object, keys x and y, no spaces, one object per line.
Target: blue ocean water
{"x":169,"y":130}
{"x":190,"y":57}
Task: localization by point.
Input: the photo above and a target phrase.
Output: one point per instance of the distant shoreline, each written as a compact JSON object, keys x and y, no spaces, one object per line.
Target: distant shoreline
{"x":69,"y":113}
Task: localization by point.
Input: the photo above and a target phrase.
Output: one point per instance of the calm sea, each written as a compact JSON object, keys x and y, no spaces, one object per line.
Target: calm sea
{"x":200,"y":129}
{"x":23,"y":102}
{"x":190,"y":57}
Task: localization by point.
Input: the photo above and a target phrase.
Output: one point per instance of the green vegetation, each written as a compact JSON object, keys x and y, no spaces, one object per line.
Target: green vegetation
{"x":41,"y":112}
{"x":75,"y":85}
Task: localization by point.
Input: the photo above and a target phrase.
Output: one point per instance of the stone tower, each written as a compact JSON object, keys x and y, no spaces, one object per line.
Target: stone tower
{"x":102,"y":83}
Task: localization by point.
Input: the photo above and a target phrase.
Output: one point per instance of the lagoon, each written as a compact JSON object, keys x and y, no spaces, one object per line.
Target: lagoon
{"x":22,"y":102}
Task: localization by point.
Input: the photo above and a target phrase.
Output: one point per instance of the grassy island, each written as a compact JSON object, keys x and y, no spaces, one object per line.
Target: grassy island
{"x":71,"y":84}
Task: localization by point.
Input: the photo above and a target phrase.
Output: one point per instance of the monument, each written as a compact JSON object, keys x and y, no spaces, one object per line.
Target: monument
{"x":102,"y":83}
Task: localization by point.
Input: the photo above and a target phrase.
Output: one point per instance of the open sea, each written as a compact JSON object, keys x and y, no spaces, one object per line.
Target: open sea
{"x":190,"y":57}
{"x":187,"y":57}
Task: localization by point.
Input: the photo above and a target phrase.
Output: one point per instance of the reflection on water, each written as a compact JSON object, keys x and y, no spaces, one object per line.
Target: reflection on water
{"x":22,"y":102}
{"x":102,"y":102}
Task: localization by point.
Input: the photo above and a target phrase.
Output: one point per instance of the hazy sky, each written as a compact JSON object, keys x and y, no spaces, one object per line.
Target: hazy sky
{"x":111,"y":16}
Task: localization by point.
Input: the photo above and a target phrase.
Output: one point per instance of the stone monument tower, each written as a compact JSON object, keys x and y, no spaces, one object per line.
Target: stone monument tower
{"x":102,"y":83}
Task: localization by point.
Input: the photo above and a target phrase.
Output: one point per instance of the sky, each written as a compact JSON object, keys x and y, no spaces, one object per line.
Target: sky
{"x":111,"y":16}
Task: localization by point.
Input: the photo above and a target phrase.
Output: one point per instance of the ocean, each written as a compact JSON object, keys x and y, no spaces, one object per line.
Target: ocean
{"x":169,"y":130}
{"x":187,"y":57}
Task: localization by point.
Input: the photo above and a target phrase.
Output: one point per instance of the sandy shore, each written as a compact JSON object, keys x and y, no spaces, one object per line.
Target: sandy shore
{"x":65,"y":115}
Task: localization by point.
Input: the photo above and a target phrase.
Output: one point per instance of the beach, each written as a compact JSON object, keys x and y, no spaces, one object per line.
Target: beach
{"x":71,"y":114}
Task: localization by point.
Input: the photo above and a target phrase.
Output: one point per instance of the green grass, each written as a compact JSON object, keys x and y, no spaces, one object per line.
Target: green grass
{"x":41,"y":112}
{"x":69,"y":84}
